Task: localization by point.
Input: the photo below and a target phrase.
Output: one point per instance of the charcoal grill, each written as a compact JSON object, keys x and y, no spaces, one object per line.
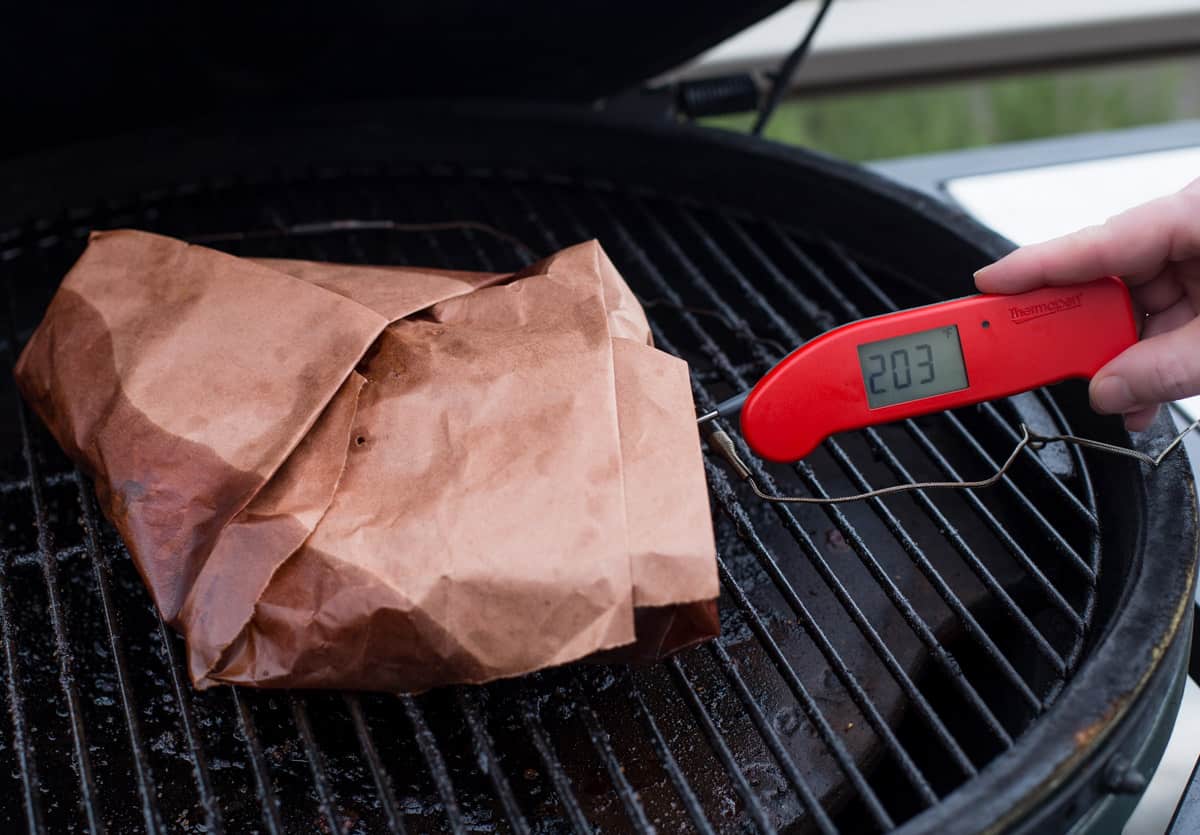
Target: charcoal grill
{"x":941,"y":662}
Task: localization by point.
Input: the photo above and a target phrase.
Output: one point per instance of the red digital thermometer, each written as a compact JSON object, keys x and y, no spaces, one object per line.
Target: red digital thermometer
{"x":932,"y":358}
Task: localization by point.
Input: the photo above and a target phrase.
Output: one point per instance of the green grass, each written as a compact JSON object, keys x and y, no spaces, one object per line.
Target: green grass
{"x":947,"y":116}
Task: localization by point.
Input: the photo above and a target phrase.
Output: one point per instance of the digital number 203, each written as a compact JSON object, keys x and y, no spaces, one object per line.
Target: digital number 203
{"x":898,"y":365}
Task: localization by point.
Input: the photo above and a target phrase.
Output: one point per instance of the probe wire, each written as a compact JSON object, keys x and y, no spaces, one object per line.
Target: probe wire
{"x":722,"y":444}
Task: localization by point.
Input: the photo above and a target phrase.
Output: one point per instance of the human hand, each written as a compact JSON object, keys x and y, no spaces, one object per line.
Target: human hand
{"x":1155,"y":248}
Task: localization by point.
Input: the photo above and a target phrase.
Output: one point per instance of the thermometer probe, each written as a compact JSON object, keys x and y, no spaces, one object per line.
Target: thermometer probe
{"x":929,"y":359}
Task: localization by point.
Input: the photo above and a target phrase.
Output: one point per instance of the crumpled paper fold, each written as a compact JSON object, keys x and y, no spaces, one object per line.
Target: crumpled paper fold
{"x":386,"y":478}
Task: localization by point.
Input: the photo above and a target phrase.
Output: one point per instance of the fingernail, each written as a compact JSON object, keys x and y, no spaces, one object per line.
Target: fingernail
{"x":1112,"y":396}
{"x":987,"y":268}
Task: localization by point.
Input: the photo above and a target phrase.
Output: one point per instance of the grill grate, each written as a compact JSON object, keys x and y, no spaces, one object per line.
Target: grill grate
{"x":873,"y":657}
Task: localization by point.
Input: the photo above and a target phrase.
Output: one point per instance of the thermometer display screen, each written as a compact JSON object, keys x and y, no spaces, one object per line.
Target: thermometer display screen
{"x":912,"y":366}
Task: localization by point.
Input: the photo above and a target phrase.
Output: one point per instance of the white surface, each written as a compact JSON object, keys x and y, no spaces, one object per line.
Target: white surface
{"x":1039,"y":203}
{"x":876,"y":39}
{"x":1191,"y":405}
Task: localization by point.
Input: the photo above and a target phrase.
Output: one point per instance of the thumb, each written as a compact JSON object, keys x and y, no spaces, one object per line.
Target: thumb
{"x":1157,"y":370}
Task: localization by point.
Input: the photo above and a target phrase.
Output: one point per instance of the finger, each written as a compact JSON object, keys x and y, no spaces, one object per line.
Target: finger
{"x":1175,"y":316}
{"x":1174,"y":280}
{"x":1160,"y":369}
{"x":1139,"y":420}
{"x":1160,"y":292}
{"x":1135,"y":244}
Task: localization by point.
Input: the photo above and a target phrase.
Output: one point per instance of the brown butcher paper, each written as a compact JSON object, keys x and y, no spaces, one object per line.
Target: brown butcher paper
{"x":387,"y":478}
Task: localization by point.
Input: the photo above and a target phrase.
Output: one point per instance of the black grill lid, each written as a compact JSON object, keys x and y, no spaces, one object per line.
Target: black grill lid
{"x":96,"y":70}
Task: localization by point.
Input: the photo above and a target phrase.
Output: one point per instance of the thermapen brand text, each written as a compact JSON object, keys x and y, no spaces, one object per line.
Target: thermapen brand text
{"x":1020,"y":315}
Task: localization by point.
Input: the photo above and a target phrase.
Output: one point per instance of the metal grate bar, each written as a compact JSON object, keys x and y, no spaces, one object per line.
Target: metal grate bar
{"x":1089,"y":496}
{"x":950,"y":532}
{"x":746,"y":531}
{"x":1088,"y":515}
{"x":1082,"y":472}
{"x":807,"y":703}
{"x":268,"y":803}
{"x":489,"y":763}
{"x":313,"y":755}
{"x":383,"y":785}
{"x":1089,"y":606}
{"x":885,"y":301}
{"x":670,"y":764}
{"x":1047,"y":527}
{"x":811,"y":804}
{"x":558,"y":777}
{"x":968,"y":620}
{"x":25,"y":750}
{"x":719,"y":746}
{"x":208,"y":798}
{"x":851,"y":311}
{"x":786,"y":330}
{"x":603,"y":746}
{"x":1053,"y":595}
{"x":885,"y":654}
{"x":101,"y":571}
{"x":66,"y":675}
{"x":939,"y":653}
{"x":719,"y":359}
{"x":23,"y":746}
{"x":437,"y":765}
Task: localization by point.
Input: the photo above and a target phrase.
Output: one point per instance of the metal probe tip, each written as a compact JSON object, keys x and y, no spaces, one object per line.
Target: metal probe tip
{"x":724,"y":409}
{"x":723,"y":445}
